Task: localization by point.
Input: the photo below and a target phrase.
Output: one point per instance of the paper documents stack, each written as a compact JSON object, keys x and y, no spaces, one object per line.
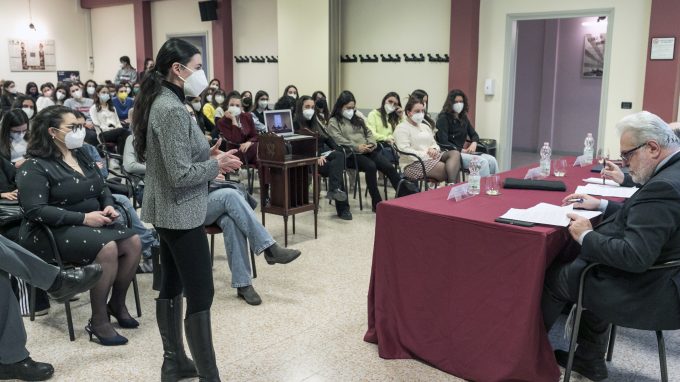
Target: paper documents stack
{"x":606,"y":190}
{"x":548,"y":214}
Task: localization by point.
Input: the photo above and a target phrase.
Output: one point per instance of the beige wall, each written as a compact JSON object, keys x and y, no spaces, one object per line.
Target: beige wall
{"x":395,"y":26}
{"x":173,"y":17}
{"x":624,"y":78}
{"x":255,"y":34}
{"x":110,"y":41}
{"x":303,"y":45}
{"x":60,"y":20}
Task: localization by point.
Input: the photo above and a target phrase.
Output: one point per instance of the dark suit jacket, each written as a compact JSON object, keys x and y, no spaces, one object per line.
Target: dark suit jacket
{"x":641,"y":232}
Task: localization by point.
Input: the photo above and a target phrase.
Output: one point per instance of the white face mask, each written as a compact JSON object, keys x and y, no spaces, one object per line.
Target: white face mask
{"x":308,"y":113}
{"x":458,"y":107}
{"x":29,"y":112}
{"x":104,"y":97}
{"x":418,"y":117}
{"x":74,"y":140}
{"x":219,"y":99}
{"x":128,"y":90}
{"x":389,"y":108}
{"x":262,"y":104}
{"x":60,"y":96}
{"x":78,"y":94}
{"x":17,"y":137}
{"x":234,"y":110}
{"x":348,"y":113}
{"x":90,"y":90}
{"x":208,"y":98}
{"x":196,"y":105}
{"x":292,"y":94}
{"x":122,"y":66}
{"x":195,"y":83}
{"x":12,"y":89}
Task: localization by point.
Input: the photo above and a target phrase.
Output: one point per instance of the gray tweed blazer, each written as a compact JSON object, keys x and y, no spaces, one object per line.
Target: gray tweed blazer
{"x":178,"y":167}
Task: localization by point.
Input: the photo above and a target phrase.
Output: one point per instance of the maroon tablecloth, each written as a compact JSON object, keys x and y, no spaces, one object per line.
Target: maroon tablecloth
{"x":453,"y":288}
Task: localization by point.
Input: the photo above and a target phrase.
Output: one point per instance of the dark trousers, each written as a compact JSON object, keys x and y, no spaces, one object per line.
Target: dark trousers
{"x":19,"y":262}
{"x":91,"y":137}
{"x":186,"y":267}
{"x":333,"y":169}
{"x":117,"y":136}
{"x":370,"y":164}
{"x":561,"y":288}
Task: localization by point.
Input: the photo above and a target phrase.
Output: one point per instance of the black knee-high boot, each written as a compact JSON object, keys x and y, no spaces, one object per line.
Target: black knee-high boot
{"x":176,"y":364}
{"x":199,"y":338}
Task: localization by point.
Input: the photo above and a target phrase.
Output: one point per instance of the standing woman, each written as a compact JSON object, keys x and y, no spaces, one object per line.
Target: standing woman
{"x":180,"y":163}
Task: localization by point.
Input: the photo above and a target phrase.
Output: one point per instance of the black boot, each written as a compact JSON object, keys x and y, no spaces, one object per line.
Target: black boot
{"x":176,"y":364}
{"x":199,"y":338}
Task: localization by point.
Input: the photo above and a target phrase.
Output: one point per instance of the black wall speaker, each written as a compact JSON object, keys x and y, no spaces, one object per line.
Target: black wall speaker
{"x":208,"y":10}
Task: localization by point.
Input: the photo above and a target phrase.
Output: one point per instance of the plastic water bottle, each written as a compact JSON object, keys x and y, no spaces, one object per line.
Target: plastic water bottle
{"x":474,"y":180}
{"x":545,"y":159}
{"x":588,"y":148}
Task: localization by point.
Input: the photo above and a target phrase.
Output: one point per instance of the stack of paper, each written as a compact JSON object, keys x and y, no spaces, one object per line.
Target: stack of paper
{"x":607,"y":182}
{"x":605,"y":190}
{"x":549,"y":214}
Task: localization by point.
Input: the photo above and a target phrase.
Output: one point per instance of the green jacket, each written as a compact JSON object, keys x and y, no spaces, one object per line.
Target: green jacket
{"x":375,"y":124}
{"x":345,"y":134}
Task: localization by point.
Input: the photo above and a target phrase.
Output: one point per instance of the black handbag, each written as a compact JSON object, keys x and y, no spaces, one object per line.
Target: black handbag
{"x":10,"y":212}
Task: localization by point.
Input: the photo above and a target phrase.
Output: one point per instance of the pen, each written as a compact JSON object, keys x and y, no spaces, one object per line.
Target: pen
{"x":576,"y":200}
{"x":604,"y":164}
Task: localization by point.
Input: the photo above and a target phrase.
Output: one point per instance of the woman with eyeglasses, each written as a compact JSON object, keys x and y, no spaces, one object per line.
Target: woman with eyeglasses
{"x":60,"y":186}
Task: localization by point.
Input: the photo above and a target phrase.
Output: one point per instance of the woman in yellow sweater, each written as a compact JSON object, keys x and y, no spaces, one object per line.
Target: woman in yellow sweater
{"x":383,"y":121}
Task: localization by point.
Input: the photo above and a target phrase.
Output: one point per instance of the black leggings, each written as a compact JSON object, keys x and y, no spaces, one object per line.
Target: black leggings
{"x":370,"y":164}
{"x":186,"y":266}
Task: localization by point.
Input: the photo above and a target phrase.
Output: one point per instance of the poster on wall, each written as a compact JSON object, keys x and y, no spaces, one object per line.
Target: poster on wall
{"x":593,"y":55}
{"x":70,"y":76}
{"x":31,"y":55}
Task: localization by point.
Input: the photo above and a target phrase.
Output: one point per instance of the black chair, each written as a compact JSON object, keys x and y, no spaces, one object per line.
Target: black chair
{"x":422,"y":182}
{"x":62,"y":266}
{"x":577,"y":321}
{"x":131,"y":181}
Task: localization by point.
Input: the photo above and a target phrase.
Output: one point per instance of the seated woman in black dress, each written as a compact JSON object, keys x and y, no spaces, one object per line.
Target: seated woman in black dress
{"x":60,"y":186}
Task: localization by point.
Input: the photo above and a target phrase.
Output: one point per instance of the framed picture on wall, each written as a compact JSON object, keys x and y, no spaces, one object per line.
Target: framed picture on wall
{"x":31,"y":56}
{"x":593,"y":55}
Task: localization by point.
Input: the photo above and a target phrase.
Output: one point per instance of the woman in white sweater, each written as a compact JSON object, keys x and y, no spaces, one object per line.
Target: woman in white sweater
{"x":414,"y":137}
{"x":106,"y":120}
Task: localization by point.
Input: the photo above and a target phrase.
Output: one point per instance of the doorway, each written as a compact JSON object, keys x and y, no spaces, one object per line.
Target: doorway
{"x":556,"y":91}
{"x":200,"y":41}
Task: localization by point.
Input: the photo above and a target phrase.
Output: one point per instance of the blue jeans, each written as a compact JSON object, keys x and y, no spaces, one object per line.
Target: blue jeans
{"x":488,"y":163}
{"x":229,"y":210}
{"x":145,"y":234}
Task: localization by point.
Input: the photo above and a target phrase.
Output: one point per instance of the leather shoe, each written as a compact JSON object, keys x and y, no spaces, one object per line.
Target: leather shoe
{"x":26,"y":370}
{"x":278,"y":254}
{"x":593,"y":369}
{"x":248,"y":293}
{"x":337,"y":195}
{"x":74,"y":281}
{"x":345,"y":215}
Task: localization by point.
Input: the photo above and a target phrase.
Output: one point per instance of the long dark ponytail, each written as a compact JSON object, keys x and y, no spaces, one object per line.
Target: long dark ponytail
{"x":174,"y":50}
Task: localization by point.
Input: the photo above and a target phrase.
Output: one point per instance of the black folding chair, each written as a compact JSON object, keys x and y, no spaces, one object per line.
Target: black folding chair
{"x":612,"y":335}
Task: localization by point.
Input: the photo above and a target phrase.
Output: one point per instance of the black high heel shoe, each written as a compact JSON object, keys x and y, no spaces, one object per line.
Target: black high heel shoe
{"x":127,"y":323}
{"x":105,"y":341}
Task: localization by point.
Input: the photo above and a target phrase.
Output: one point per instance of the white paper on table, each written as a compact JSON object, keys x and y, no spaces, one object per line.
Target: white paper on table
{"x":600,"y":190}
{"x":607,"y":182}
{"x":548,"y":214}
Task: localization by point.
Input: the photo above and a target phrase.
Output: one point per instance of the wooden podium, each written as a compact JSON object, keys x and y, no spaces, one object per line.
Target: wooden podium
{"x":286,"y":169}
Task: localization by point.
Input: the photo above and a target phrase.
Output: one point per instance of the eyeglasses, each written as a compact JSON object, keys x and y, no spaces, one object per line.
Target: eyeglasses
{"x":626,"y":155}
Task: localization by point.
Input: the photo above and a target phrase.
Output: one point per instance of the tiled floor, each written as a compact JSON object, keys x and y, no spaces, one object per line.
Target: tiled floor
{"x":309,"y":327}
